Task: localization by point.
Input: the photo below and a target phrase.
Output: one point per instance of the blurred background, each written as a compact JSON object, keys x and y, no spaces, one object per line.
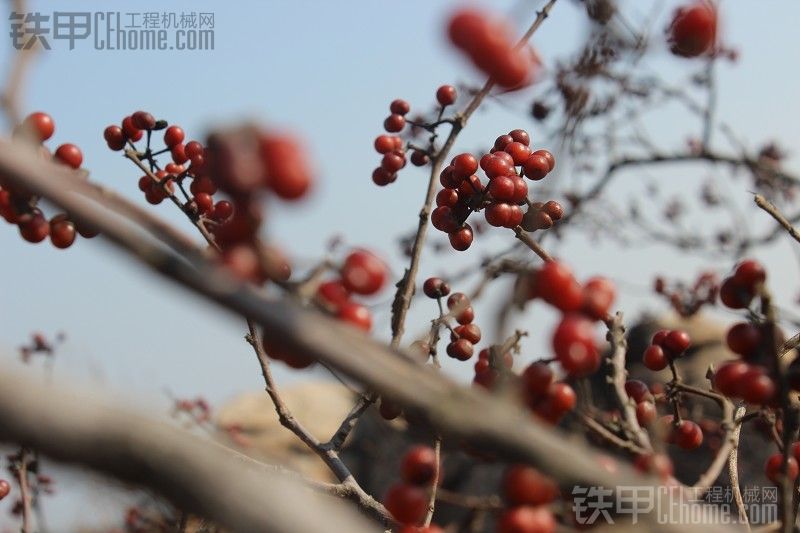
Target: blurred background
{"x":327,"y":71}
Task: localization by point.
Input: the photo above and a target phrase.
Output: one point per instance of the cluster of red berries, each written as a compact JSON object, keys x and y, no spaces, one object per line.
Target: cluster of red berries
{"x":489,"y":43}
{"x":528,"y":493}
{"x":573,"y":339}
{"x":503,"y":195}
{"x":693,"y":30}
{"x":665,"y":346}
{"x":682,"y":433}
{"x":361,"y":273}
{"x":240,"y":162}
{"x":392,"y":147}
{"x":466,"y":335}
{"x":550,"y":400}
{"x":739,"y":289}
{"x":407,"y":500}
{"x":640,"y":393}
{"x":21,"y":208}
{"x":688,"y":300}
{"x":773,"y":468}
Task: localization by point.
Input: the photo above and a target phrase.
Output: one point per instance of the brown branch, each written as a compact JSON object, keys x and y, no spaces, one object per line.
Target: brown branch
{"x":328,"y":454}
{"x":437,"y":448}
{"x":617,"y":377}
{"x":456,"y":412}
{"x":773,"y":211}
{"x":733,"y":469}
{"x":601,"y":431}
{"x":24,"y":490}
{"x":195,"y":475}
{"x":528,"y":241}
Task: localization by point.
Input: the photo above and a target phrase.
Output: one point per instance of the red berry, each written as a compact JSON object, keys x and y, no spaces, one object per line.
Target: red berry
{"x":646,"y":413}
{"x":556,"y":285}
{"x":355,"y":314}
{"x":288,"y":173}
{"x":654,"y":358}
{"x":407,"y":503}
{"x":464,"y":165}
{"x":687,"y":435}
{"x":743,"y":338}
{"x":520,"y":136}
{"x":524,"y":485}
{"x":460,"y":349}
{"x":553,"y":209}
{"x":536,"y":167}
{"x":392,"y":162}
{"x":5,"y":488}
{"x":598,"y":297}
{"x":574,"y":345}
{"x":143,"y":120}
{"x":419,"y":466}
{"x":70,"y":155}
{"x":728,"y":378}
{"x":693,"y":29}
{"x":774,"y":468}
{"x":461,"y":239}
{"x":733,"y":295}
{"x":114,"y":137}
{"x":502,"y":188}
{"x":33,"y":227}
{"x":178,"y":154}
{"x":446,"y":95}
{"x":41,"y":124}
{"x":466,"y":316}
{"x":131,"y":131}
{"x":638,"y":390}
{"x":498,"y":215}
{"x":496,"y":166}
{"x":394,"y":123}
{"x":435,"y":288}
{"x":384,"y":144}
{"x":419,"y":158}
{"x":204,"y":203}
{"x":399,"y":107}
{"x":519,"y":152}
{"x":551,"y":160}
{"x":470,"y":332}
{"x":443,"y":219}
{"x":193,"y":149}
{"x":560,"y":399}
{"x":389,"y":410}
{"x":382,"y":177}
{"x":749,"y":273}
{"x":62,"y":231}
{"x":363,"y":272}
{"x":677,"y":342}
{"x":756,"y":386}
{"x":537,"y":378}
{"x":527,"y":519}
{"x":173,"y":135}
{"x":223,"y":210}
{"x":520,"y":190}
{"x":448,"y":197}
{"x":333,"y":293}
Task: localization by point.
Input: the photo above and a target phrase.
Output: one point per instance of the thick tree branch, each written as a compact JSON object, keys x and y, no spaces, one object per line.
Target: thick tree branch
{"x":195,"y":475}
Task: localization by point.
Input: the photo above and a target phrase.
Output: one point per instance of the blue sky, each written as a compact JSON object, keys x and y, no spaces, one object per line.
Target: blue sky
{"x":328,"y":71}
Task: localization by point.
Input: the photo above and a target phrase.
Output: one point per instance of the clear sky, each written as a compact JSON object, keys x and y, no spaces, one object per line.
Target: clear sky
{"x":327,"y":70}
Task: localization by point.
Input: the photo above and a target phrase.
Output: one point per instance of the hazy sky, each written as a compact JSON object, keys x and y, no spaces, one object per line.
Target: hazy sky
{"x":327,"y":71}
